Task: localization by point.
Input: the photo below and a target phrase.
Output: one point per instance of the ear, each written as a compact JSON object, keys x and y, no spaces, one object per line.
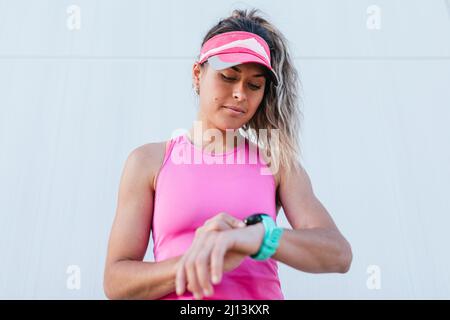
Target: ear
{"x":196,"y":74}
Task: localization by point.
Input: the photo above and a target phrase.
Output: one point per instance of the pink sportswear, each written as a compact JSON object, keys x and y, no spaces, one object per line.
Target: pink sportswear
{"x":187,"y":194}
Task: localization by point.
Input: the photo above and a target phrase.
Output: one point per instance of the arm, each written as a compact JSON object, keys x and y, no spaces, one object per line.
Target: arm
{"x":314,"y":244}
{"x":126,"y":275}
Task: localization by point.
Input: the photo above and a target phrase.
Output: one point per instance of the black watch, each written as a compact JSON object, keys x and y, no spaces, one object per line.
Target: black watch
{"x":254,"y":218}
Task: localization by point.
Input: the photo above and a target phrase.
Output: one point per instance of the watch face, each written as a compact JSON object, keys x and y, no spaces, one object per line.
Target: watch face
{"x":254,"y":218}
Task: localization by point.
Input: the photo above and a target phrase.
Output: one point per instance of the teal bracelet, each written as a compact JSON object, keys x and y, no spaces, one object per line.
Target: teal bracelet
{"x":271,"y":239}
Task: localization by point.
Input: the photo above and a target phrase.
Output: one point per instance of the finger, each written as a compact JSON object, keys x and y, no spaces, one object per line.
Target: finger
{"x":230,"y":220}
{"x":191,"y":276}
{"x":234,"y":222}
{"x":217,"y":260}
{"x":216,"y":225}
{"x":202,"y":268}
{"x":239,"y":223}
{"x":180,"y":280}
{"x":193,"y":284}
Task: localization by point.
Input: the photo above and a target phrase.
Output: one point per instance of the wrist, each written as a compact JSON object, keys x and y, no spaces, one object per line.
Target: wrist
{"x":250,"y":238}
{"x":272,"y":235}
{"x":258,"y":232}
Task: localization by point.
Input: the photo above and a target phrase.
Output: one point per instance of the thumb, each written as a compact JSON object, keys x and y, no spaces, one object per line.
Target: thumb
{"x":239,"y":223}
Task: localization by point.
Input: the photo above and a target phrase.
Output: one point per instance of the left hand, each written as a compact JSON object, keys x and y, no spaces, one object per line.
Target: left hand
{"x":214,"y":252}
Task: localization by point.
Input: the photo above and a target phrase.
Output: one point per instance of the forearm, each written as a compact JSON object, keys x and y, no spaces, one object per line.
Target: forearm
{"x":128,"y":279}
{"x":314,"y":250}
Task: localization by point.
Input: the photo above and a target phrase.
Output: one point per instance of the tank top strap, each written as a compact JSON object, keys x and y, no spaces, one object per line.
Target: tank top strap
{"x":168,"y":150}
{"x":169,"y":146}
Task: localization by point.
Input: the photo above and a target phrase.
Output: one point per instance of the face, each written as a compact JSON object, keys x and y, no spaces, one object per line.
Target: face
{"x":240,"y":87}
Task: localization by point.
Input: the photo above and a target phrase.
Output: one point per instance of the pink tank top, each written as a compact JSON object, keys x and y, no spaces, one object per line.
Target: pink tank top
{"x":189,"y":191}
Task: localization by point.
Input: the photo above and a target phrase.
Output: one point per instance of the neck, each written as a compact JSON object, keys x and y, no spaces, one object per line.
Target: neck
{"x":215,"y":137}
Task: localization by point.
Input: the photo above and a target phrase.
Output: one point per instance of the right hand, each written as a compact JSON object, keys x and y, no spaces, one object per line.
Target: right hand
{"x":220,"y":222}
{"x":232,"y":259}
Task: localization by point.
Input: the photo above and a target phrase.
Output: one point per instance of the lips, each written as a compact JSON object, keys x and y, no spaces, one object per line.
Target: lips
{"x":237,"y":109}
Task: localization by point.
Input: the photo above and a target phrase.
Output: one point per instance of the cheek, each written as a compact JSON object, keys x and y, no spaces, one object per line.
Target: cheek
{"x":221,"y":92}
{"x":216,"y":92}
{"x":210,"y":95}
{"x":256,"y":100}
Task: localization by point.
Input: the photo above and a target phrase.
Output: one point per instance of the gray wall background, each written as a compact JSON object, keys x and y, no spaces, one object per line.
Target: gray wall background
{"x":75,"y":102}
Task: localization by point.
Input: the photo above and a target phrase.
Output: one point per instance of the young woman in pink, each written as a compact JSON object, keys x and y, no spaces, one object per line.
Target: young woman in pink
{"x":212,"y":214}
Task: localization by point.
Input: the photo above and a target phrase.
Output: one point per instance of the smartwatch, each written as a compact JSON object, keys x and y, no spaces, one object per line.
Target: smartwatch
{"x":272,"y":235}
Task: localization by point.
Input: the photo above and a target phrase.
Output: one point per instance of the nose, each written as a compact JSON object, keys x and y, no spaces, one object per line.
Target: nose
{"x":239,"y":92}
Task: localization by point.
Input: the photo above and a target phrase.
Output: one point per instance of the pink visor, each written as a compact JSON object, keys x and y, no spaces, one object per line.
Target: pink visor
{"x":229,"y":49}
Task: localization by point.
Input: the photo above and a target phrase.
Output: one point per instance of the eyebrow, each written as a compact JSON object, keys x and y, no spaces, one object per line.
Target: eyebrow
{"x":255,"y":75}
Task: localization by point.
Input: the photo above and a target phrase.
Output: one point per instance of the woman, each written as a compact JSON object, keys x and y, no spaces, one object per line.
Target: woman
{"x":246,"y":82}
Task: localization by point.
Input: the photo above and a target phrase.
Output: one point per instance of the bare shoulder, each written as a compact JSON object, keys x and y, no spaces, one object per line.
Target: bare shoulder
{"x":148,"y":159}
{"x":132,"y":223}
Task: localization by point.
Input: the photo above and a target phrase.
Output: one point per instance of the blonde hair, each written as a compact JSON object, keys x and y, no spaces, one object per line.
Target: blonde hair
{"x":279,"y":108}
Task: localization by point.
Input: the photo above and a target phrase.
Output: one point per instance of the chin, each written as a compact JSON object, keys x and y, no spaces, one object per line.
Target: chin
{"x":230,"y":125}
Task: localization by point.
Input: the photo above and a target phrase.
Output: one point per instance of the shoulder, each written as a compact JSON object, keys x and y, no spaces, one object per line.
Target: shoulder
{"x":145,"y":160}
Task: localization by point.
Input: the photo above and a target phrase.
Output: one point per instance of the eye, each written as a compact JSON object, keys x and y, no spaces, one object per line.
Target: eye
{"x":254,"y":87}
{"x":227,"y":78}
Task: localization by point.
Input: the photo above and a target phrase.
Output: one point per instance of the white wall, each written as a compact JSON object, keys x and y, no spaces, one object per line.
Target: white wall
{"x":73,"y":104}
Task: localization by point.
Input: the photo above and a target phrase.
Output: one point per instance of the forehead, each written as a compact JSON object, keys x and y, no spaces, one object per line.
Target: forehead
{"x":249,"y":67}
